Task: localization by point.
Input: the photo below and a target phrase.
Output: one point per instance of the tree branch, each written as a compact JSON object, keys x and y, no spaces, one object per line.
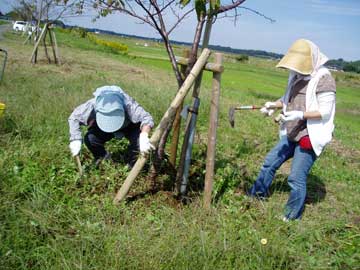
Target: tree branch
{"x":180,"y":19}
{"x":259,"y":13}
{"x":229,"y":7}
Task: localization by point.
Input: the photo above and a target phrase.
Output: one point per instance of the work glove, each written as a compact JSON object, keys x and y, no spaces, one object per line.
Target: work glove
{"x":293,"y":115}
{"x":268,"y":108}
{"x":270,"y":105}
{"x":267,"y":112}
{"x":75,"y":147}
{"x":144,"y":143}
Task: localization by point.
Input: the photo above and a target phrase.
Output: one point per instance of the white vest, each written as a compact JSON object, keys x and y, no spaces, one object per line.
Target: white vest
{"x":320,"y":130}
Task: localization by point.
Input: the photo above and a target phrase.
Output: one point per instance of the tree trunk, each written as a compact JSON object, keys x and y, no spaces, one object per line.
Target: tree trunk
{"x":185,"y":158}
{"x":192,"y":58}
{"x":171,"y":111}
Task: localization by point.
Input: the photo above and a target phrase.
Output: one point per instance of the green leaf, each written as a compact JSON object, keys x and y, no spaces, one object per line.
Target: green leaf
{"x":214,"y":4}
{"x":200,"y":7}
{"x":184,"y":2}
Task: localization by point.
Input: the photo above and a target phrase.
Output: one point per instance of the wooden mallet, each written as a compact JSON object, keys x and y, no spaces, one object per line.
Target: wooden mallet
{"x":233,"y":109}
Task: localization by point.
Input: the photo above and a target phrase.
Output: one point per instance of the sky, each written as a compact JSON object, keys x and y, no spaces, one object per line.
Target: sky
{"x":334,"y":25}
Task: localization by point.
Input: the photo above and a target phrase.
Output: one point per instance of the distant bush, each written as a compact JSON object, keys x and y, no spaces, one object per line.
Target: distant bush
{"x":242,"y":58}
{"x":341,"y":64}
{"x":59,"y":23}
{"x":77,"y":31}
{"x":115,"y":47}
{"x":3,"y":22}
{"x":65,"y":30}
{"x":352,"y":67}
{"x":81,"y":32}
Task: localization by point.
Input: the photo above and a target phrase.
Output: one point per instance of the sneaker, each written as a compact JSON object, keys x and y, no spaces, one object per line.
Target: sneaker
{"x":285,"y":219}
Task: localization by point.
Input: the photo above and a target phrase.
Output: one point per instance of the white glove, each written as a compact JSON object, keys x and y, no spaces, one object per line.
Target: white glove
{"x":270,"y":105}
{"x":144,"y":143}
{"x":293,"y":115}
{"x":266,"y":111}
{"x":75,"y":147}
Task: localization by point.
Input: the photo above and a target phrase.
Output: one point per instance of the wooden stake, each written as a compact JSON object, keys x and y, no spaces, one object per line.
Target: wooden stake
{"x":45,"y":47}
{"x":163,"y":123}
{"x":57,"y":55}
{"x":28,"y":38}
{"x":213,"y":67}
{"x":52,"y":44}
{"x":177,"y":121}
{"x":34,"y":53}
{"x":211,"y":149}
{"x":78,"y":163}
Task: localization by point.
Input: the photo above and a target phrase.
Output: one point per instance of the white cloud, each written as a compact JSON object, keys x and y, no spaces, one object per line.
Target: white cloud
{"x":339,"y":8}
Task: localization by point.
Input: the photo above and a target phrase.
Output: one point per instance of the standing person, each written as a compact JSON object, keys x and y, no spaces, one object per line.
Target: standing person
{"x":307,"y":123}
{"x":110,"y":114}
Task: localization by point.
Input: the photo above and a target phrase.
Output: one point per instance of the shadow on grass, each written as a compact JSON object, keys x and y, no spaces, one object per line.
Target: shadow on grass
{"x":316,"y":190}
{"x":233,"y":176}
{"x":141,"y":195}
{"x":7,"y":125}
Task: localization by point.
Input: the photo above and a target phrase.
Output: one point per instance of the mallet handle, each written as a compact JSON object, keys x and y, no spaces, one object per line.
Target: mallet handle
{"x":78,"y":163}
{"x":249,"y":107}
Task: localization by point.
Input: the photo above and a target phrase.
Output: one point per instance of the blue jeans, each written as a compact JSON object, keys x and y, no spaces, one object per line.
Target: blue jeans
{"x":300,"y":167}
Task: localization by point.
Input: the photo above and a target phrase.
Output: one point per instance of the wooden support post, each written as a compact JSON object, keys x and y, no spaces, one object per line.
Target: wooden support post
{"x":34,"y":53}
{"x":211,"y":147}
{"x":57,"y":56}
{"x":175,"y":136}
{"x":28,"y":38}
{"x":51,"y":32}
{"x":184,"y":89}
{"x":45,"y":47}
{"x":177,"y":121}
{"x":212,"y":67}
{"x":79,"y":166}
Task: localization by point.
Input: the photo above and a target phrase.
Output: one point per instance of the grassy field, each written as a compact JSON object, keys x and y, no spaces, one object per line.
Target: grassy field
{"x":52,"y":219}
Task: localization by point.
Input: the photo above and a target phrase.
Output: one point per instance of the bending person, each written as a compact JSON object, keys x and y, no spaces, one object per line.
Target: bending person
{"x":307,"y":123}
{"x":110,"y":114}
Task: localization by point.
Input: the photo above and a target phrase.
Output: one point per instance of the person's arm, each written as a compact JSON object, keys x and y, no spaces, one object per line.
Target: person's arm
{"x":146,"y":128}
{"x":79,"y":117}
{"x":278,"y":104}
{"x":144,"y":141}
{"x":137,"y":114}
{"x":312,"y":115}
{"x":325,"y":97}
{"x":326,"y":101}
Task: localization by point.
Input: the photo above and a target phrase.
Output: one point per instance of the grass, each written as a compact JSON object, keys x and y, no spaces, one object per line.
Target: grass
{"x":52,"y":219}
{"x":4,"y":22}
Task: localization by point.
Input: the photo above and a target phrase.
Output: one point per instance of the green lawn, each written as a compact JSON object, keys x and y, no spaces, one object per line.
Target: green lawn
{"x":52,"y":219}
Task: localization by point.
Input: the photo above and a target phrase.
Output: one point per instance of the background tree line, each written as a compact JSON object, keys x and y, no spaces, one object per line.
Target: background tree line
{"x":341,"y":64}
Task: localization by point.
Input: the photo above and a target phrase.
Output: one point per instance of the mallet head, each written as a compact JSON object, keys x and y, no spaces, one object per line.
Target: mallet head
{"x":231,"y":116}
